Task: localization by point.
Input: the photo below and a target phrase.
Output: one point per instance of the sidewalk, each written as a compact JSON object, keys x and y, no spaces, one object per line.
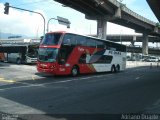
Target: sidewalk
{"x":131,"y":64}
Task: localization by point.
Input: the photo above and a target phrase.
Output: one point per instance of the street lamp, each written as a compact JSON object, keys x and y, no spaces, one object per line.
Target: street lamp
{"x":48,"y":23}
{"x":61,"y":20}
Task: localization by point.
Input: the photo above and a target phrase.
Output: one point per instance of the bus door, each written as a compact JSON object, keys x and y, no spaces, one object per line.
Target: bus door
{"x":66,"y":48}
{"x":62,"y":57}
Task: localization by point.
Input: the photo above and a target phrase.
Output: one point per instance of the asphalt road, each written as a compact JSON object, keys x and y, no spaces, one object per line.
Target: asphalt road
{"x":135,"y":90}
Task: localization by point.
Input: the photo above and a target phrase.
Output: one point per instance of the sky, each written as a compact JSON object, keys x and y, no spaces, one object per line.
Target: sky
{"x":30,"y":24}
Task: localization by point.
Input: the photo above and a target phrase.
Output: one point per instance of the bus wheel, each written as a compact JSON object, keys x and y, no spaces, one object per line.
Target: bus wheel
{"x":113,"y":69}
{"x":74,"y":71}
{"x":18,"y":61}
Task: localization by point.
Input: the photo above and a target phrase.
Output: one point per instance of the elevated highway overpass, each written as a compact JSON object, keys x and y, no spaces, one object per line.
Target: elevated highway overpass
{"x":129,"y":38}
{"x":115,"y":12}
{"x":155,"y":6}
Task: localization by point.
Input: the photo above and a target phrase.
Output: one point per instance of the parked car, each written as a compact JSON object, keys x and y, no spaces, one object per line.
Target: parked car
{"x":152,"y":59}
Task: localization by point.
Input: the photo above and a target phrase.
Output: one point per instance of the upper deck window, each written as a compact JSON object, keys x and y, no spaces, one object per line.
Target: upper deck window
{"x":51,"y":39}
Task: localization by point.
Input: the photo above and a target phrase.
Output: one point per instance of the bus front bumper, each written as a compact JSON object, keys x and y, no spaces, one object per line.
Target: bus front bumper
{"x":55,"y":71}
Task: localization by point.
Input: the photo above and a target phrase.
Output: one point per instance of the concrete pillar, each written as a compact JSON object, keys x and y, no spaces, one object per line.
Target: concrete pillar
{"x":145,"y":44}
{"x":101,"y":28}
{"x":133,"y":52}
{"x":132,"y":43}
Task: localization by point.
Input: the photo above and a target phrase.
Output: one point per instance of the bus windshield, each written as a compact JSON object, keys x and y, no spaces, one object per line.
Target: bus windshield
{"x":32,"y":51}
{"x":47,"y":54}
{"x":51,"y":39}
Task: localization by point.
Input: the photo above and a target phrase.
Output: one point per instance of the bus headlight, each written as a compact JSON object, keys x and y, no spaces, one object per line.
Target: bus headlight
{"x":28,"y":58}
{"x":53,"y":67}
{"x":67,"y":65}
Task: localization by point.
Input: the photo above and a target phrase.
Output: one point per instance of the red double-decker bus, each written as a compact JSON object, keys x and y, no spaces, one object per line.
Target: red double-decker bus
{"x":62,"y":53}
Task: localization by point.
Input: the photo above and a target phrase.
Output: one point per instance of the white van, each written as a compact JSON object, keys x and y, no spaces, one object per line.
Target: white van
{"x":152,"y":59}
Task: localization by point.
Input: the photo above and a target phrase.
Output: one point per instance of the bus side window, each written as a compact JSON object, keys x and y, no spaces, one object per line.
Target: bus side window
{"x":105,"y":59}
{"x":69,"y":39}
{"x":91,"y":42}
{"x":73,"y":40}
{"x":66,"y":40}
{"x":81,"y":40}
{"x":109,"y":59}
{"x":100,"y":44}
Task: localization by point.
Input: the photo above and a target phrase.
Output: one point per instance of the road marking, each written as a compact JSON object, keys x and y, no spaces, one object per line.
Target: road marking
{"x":23,"y":83}
{"x":57,"y":82}
{"x":4,"y":80}
{"x":33,"y":77}
{"x":12,"y":81}
{"x":70,"y":80}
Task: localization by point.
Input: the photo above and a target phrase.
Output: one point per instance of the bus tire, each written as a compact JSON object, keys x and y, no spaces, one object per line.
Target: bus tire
{"x":113,"y":69}
{"x":117,"y":68}
{"x":74,"y":71}
{"x":18,"y":61}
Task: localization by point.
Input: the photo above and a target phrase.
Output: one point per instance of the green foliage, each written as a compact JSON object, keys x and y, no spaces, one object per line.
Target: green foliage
{"x":158,"y":25}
